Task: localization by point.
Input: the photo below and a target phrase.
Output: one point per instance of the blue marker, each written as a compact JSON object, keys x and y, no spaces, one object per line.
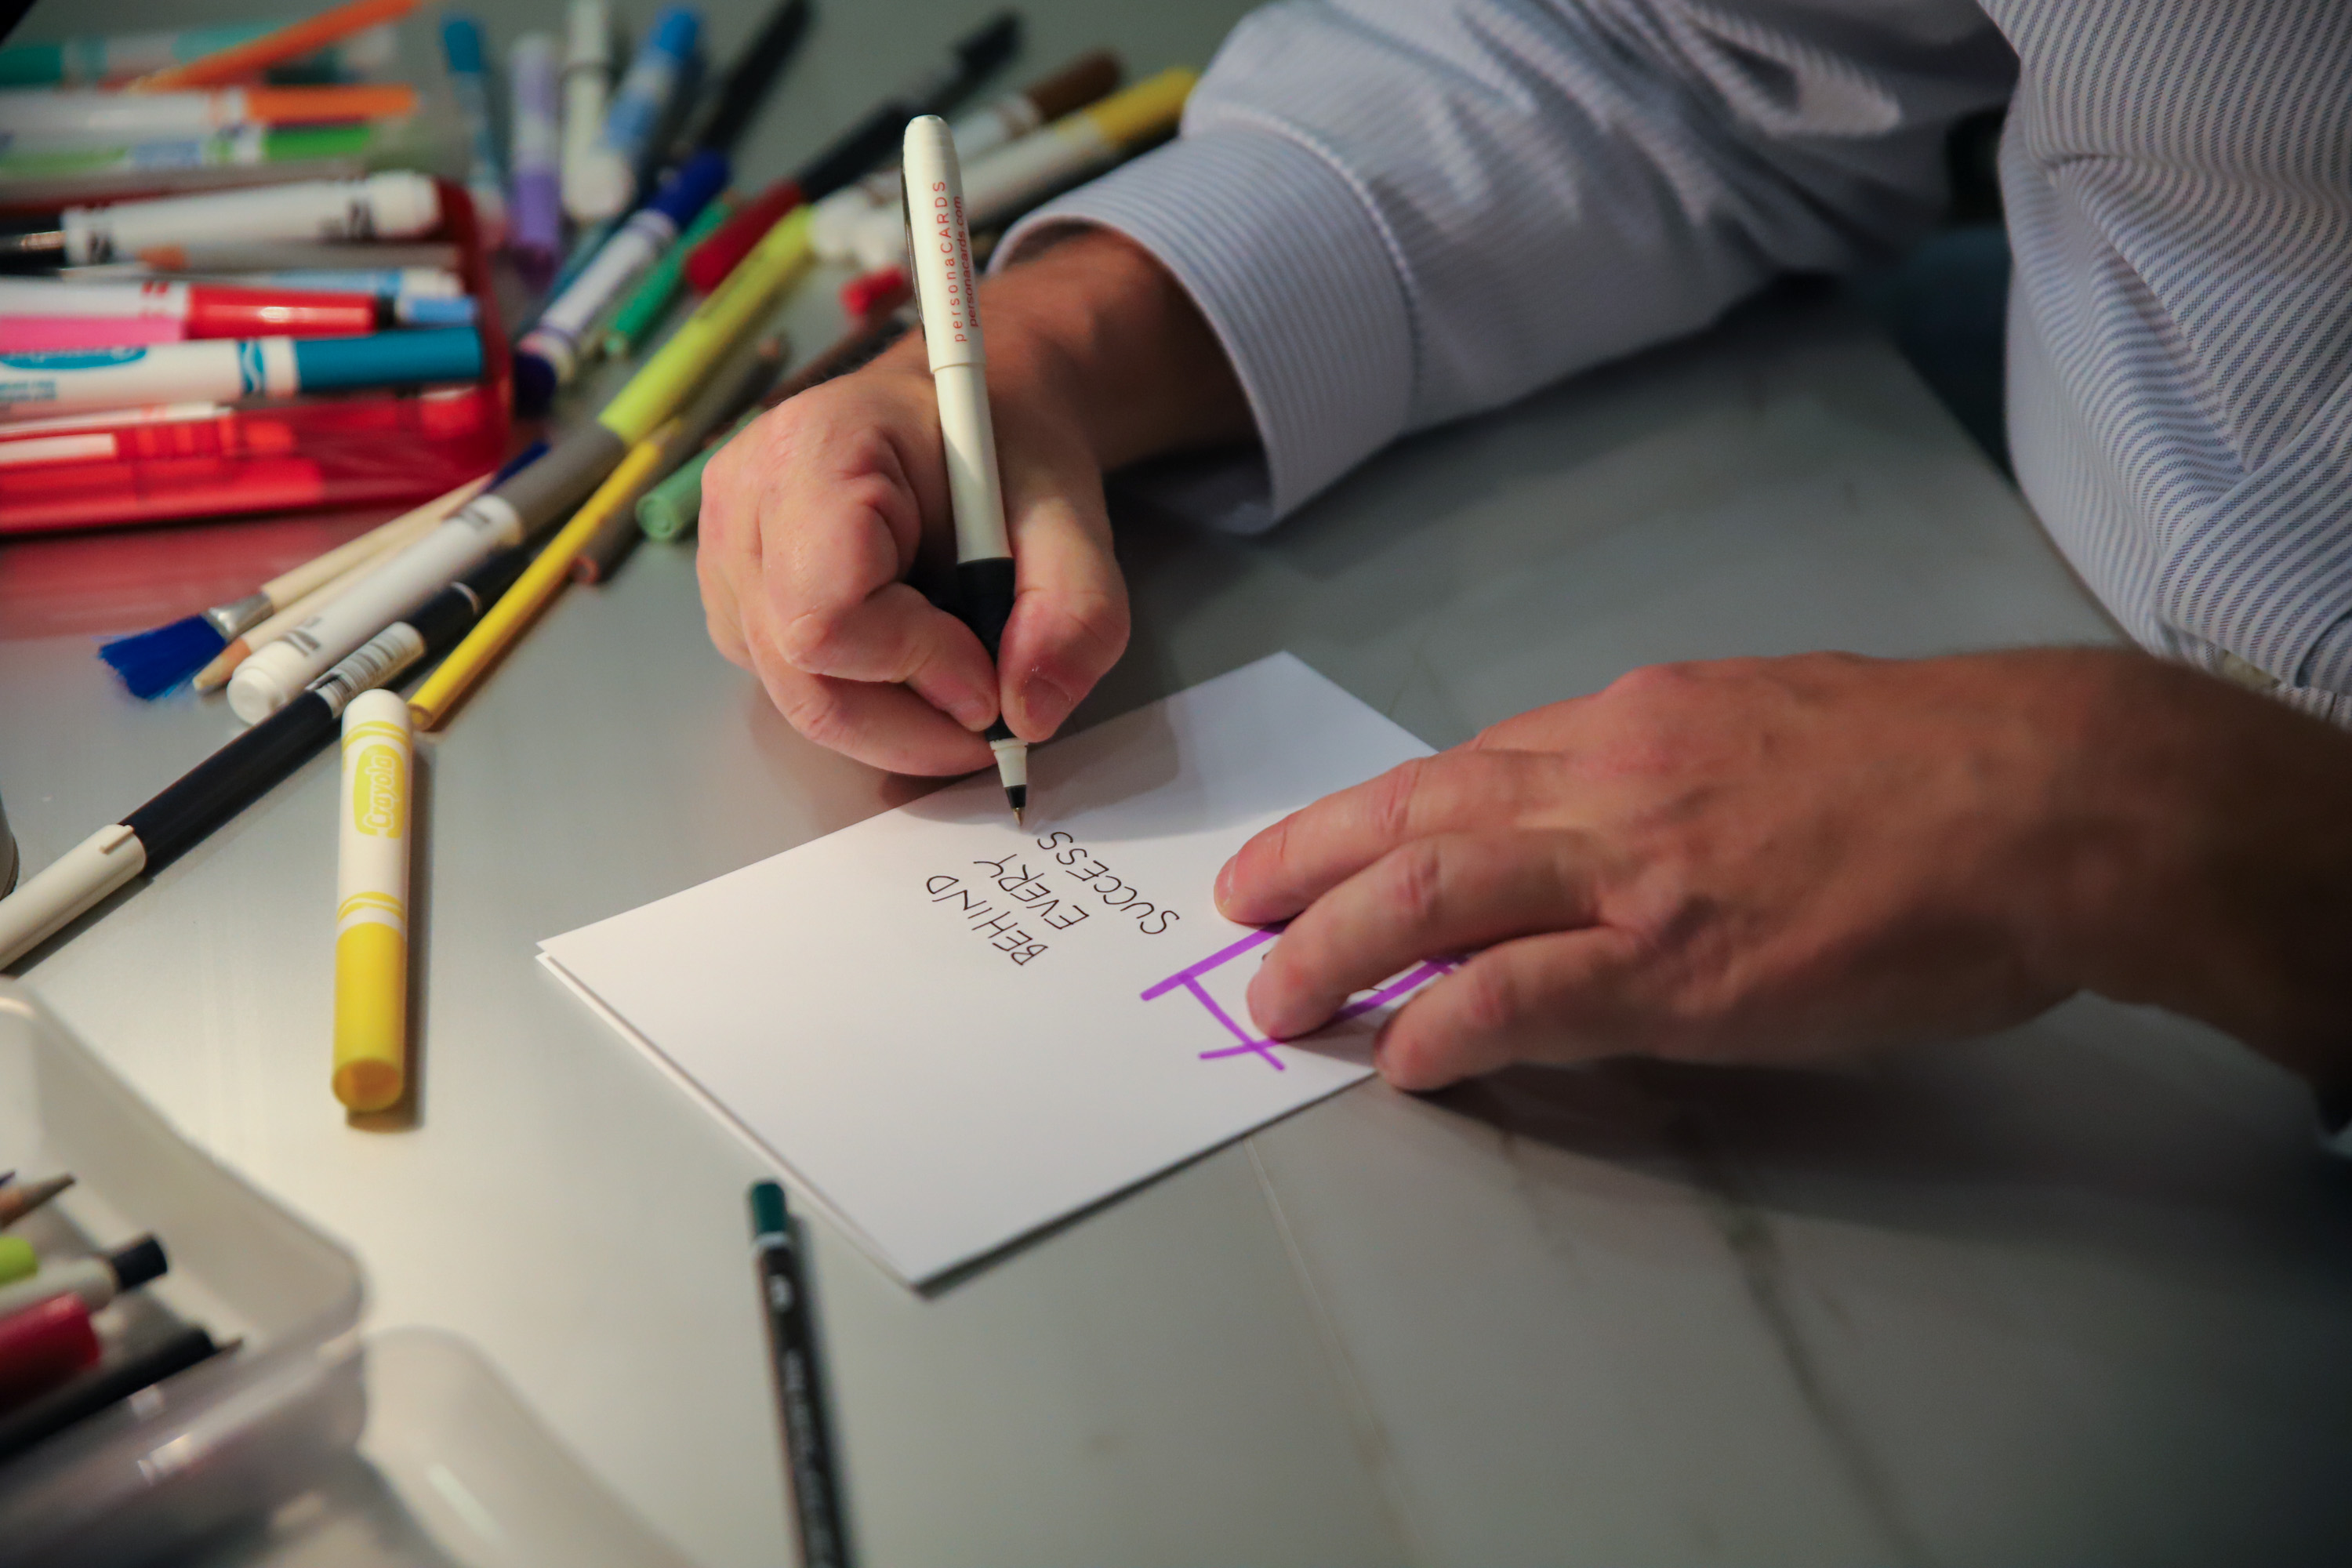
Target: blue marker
{"x":226,"y":370}
{"x":461,"y":41}
{"x":550,"y":352}
{"x":607,"y":177}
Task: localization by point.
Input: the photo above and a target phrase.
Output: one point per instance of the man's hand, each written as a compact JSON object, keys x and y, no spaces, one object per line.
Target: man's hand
{"x":1790,"y":860}
{"x":814,"y":518}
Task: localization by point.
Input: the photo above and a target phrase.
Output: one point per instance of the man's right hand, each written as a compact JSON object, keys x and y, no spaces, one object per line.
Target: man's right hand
{"x":814,"y":518}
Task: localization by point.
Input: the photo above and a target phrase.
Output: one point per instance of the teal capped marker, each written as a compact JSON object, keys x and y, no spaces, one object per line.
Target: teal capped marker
{"x":800,"y":1384}
{"x":224,"y":370}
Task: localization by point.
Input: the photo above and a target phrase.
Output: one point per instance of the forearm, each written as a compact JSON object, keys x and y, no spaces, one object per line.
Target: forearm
{"x":1096,"y":327}
{"x":2214,"y":869}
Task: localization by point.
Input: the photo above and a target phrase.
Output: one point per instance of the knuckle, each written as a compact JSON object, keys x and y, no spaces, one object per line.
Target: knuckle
{"x":1272,"y":850}
{"x":1488,"y":1000}
{"x":812,"y":711}
{"x":1417,"y":874}
{"x":814,"y":641}
{"x":1394,"y":795}
{"x":1653,"y":682}
{"x":1099,"y":627}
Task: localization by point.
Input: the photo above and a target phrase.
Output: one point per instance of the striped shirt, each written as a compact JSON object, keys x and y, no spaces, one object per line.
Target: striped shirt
{"x":1396,"y":213}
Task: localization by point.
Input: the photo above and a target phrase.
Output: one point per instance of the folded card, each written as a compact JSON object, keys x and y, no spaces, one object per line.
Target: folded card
{"x":951,"y":1030}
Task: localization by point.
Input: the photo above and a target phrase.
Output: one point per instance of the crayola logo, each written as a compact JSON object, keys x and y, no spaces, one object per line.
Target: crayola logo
{"x":73,"y":359}
{"x":376,"y":786}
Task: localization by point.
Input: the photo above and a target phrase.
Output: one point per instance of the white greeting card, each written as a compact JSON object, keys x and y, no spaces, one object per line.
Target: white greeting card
{"x":953,"y":1031}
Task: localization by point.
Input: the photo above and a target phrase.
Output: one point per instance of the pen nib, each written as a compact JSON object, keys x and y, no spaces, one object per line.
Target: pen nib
{"x":1016,"y":817}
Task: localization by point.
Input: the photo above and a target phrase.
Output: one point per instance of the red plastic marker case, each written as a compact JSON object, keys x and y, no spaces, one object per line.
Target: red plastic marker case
{"x":308,"y":454}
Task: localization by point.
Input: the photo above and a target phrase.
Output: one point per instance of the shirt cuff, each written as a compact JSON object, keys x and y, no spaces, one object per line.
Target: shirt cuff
{"x":1285,"y":263}
{"x":2329,"y":665}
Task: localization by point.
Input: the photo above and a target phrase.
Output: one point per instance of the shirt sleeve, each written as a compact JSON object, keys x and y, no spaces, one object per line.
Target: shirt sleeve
{"x":1395,"y":213}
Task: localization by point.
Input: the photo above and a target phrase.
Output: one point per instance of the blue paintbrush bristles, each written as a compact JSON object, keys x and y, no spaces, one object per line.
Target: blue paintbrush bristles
{"x":151,"y":663}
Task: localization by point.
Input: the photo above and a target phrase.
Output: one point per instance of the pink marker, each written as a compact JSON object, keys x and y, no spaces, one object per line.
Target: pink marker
{"x":32,"y":334}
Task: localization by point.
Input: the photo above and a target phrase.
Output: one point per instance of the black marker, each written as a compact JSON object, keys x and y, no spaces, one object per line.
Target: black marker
{"x":51,"y":1413}
{"x":242,"y":771}
{"x":800,"y":1387}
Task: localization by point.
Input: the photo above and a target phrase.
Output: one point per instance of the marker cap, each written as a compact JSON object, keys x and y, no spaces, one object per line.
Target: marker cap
{"x":588,"y":35}
{"x":404,"y":203}
{"x":768,"y":1213}
{"x":674,"y":31}
{"x":138,"y":1263}
{"x":17,"y":1260}
{"x":686,"y":194}
{"x":388,"y":359}
{"x":43,"y":1344}
{"x":462,"y":40}
{"x":433,"y":311}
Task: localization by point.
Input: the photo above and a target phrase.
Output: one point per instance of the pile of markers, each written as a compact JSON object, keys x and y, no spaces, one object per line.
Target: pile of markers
{"x":74,"y":1339}
{"x":236,"y":316}
{"x":645,"y":171}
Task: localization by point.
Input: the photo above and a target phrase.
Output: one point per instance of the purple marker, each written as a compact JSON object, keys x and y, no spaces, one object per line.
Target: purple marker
{"x":535,"y":229}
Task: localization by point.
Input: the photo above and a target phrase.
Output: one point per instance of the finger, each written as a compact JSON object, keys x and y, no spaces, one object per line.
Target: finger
{"x":1560,"y":997}
{"x":1290,"y":865}
{"x":897,"y":636}
{"x":725,"y":551}
{"x":885,"y":726}
{"x":720,"y":611}
{"x":832,"y":594}
{"x":1069,"y":621}
{"x":1432,"y":897}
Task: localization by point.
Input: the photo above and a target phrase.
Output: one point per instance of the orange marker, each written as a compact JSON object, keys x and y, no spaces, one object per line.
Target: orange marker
{"x":288,"y":43}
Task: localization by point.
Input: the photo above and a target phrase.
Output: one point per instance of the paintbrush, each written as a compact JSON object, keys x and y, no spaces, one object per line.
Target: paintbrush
{"x":153,"y":662}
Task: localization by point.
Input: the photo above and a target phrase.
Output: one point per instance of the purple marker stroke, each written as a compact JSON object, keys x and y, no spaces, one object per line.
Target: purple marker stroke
{"x":1251,"y":1045}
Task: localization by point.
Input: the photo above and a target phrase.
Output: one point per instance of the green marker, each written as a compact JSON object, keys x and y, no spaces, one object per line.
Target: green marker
{"x":671,"y":508}
{"x":243,"y":148}
{"x":17,"y":1260}
{"x":642,"y":311}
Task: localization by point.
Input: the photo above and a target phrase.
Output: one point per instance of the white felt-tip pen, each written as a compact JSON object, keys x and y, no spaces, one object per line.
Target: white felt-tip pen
{"x":510,"y":511}
{"x":587,"y":76}
{"x":605,"y":182}
{"x":96,"y":1280}
{"x":939,"y":247}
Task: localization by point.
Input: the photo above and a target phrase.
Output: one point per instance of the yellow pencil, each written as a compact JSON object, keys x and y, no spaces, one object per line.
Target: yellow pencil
{"x":542,"y":580}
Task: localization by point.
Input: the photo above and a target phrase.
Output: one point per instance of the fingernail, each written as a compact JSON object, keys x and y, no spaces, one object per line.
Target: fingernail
{"x":1047,"y":704}
{"x":970,"y":711}
{"x":1274,"y":1019}
{"x":1225,"y":881}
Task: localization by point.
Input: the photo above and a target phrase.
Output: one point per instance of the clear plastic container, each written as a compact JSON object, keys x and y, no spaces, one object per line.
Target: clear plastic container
{"x":304,"y":1444}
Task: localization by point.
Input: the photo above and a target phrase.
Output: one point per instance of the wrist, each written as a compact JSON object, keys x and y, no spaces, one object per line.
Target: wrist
{"x":1091,"y":328}
{"x":2210,"y":863}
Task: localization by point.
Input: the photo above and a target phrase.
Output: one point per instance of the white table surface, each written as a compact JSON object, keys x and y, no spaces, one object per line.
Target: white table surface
{"x":2081,"y":1292}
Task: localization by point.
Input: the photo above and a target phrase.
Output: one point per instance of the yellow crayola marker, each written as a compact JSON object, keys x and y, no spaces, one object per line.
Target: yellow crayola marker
{"x":372,"y":915}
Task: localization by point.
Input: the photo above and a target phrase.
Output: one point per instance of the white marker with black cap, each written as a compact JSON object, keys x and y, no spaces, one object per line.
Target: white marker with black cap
{"x":96,"y":1280}
{"x":939,"y":244}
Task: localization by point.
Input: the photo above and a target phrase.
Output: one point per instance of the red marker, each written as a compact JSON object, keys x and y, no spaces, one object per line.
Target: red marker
{"x":43,"y":1345}
{"x":195,"y":309}
{"x":708,"y":263}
